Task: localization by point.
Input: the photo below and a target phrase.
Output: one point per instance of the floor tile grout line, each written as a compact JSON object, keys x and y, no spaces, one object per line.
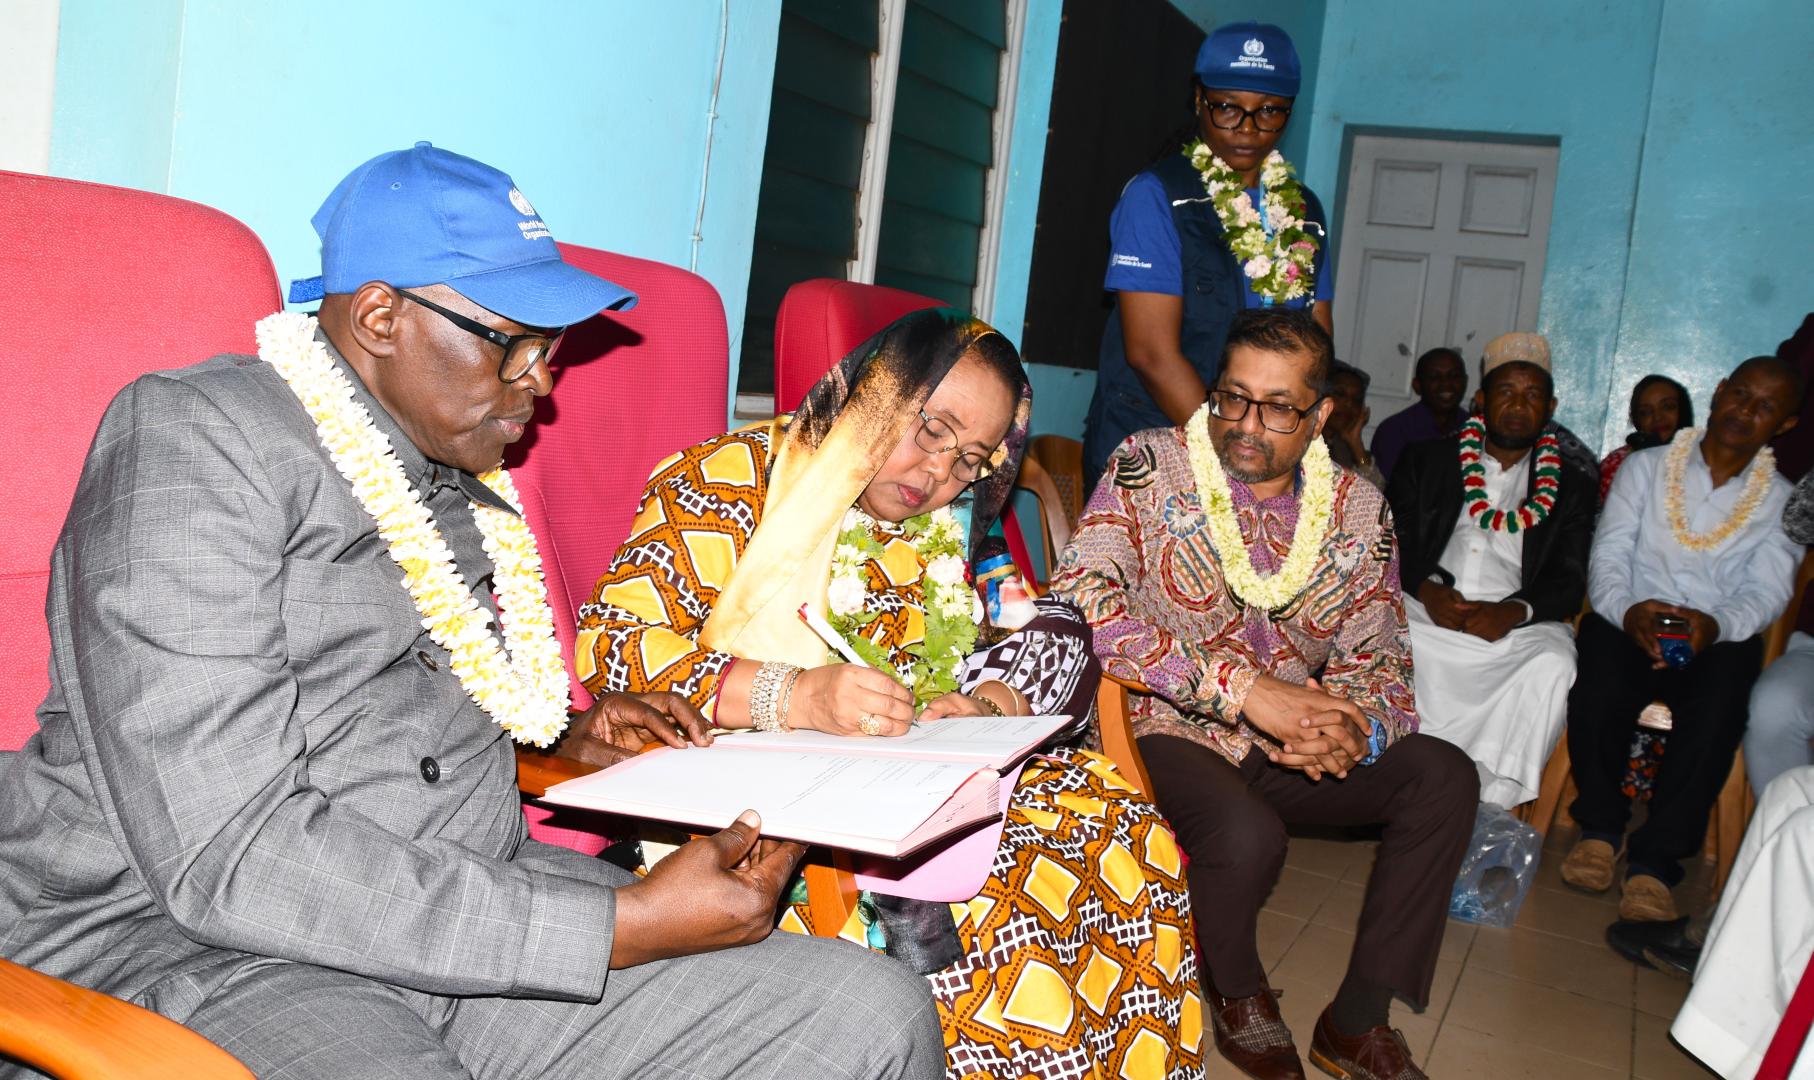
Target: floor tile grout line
{"x":1460,"y":972}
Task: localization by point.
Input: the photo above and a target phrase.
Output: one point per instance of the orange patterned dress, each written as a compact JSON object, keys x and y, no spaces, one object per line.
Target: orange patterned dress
{"x":1078,"y":958}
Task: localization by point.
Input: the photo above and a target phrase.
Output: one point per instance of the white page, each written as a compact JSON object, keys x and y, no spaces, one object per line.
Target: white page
{"x":984,"y":740}
{"x":808,"y":796}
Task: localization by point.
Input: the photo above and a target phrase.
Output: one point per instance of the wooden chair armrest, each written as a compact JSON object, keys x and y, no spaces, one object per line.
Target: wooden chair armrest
{"x":539,"y":770}
{"x":1117,"y":729}
{"x":72,"y":1032}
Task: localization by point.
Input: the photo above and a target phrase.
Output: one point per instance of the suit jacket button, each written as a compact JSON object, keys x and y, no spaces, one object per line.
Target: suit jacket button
{"x":431,"y":769}
{"x":427,"y":661}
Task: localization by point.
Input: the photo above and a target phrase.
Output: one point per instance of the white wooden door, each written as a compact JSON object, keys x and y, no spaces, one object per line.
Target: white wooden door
{"x":1442,"y":243}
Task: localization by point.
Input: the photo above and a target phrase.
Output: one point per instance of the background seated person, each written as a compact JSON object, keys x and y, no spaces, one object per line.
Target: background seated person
{"x":265,"y":802}
{"x":1494,"y":580}
{"x":1780,"y":733}
{"x":1690,"y":543}
{"x":1440,"y":381}
{"x":1259,"y":602}
{"x":848,"y":504}
{"x":1660,"y":407}
{"x":1346,"y":433}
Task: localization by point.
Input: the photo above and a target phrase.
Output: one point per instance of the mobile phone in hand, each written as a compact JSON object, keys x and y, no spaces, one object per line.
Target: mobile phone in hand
{"x":1672,"y":640}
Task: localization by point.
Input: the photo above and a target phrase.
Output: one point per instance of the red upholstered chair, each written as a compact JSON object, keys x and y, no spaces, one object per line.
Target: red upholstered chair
{"x":631,"y":387}
{"x":822,"y":319}
{"x":97,"y":286}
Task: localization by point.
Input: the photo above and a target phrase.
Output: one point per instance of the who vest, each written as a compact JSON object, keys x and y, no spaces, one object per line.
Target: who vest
{"x":1213,"y":289}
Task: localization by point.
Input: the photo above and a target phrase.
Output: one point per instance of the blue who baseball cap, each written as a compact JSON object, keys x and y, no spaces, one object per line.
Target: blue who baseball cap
{"x":424,"y":216}
{"x":1249,"y":56}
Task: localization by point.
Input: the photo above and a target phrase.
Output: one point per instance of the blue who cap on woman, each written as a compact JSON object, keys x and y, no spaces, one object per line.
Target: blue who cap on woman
{"x":425,"y":216}
{"x":1249,"y":56}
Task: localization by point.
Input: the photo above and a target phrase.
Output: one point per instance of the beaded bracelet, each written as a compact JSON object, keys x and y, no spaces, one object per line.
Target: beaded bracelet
{"x":787,"y":700}
{"x":765,"y":694}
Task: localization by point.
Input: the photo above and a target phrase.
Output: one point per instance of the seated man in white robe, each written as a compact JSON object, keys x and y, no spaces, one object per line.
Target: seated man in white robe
{"x":1494,"y":529}
{"x":1762,"y":935}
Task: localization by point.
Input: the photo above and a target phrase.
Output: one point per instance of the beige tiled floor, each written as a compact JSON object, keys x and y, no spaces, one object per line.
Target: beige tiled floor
{"x":1545,"y":998}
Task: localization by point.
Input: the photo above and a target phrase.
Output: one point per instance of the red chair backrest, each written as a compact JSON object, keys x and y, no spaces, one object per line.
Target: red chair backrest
{"x":822,"y":319}
{"x":630,"y":388}
{"x":98,"y":285}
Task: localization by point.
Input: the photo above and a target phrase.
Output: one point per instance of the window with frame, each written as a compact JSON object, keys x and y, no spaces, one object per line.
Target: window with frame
{"x":887,"y":126}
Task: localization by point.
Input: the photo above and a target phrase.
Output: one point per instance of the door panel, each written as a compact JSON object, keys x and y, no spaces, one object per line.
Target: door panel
{"x":1404,"y":193}
{"x":1442,"y":243}
{"x":1499,"y":200}
{"x":1393,"y":284}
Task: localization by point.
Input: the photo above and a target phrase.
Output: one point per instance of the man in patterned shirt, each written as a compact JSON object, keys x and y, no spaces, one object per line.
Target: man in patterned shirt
{"x":1255,"y":719}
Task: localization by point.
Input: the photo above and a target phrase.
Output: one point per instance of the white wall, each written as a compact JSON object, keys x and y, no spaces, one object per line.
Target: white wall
{"x":28,"y":73}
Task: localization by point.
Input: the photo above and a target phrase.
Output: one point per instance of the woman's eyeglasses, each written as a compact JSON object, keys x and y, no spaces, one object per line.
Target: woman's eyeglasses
{"x":936,"y":437}
{"x":1229,"y":117}
{"x":521,"y":351}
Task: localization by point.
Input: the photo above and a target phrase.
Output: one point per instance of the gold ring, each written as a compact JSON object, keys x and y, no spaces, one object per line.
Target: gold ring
{"x":869,"y":724}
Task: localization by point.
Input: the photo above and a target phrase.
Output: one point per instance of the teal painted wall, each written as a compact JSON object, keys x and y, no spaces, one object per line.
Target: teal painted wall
{"x":598,"y":111}
{"x":1580,"y":72}
{"x":1684,"y":132}
{"x":1725,"y":210}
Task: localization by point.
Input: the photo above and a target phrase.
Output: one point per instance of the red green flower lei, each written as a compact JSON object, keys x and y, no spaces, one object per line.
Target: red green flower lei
{"x":1532,"y":511}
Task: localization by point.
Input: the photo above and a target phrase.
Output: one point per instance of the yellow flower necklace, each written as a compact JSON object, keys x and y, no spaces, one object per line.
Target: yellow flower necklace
{"x":1675,"y":470}
{"x":526,"y":692}
{"x":1315,"y":508}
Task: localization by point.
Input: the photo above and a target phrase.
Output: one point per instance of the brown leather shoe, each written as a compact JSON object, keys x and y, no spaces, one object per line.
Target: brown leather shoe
{"x":1252,"y":1036}
{"x":1380,"y":1054}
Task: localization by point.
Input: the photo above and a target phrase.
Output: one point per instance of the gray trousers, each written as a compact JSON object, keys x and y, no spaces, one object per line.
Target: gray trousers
{"x":1779,"y":735}
{"x":786,"y":1007}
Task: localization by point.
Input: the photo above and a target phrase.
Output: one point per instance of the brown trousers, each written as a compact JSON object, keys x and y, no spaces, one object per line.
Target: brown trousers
{"x":1231,"y":822}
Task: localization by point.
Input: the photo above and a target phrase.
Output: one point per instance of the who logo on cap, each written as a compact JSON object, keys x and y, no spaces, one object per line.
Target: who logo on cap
{"x":425,"y":216}
{"x":1253,"y":56}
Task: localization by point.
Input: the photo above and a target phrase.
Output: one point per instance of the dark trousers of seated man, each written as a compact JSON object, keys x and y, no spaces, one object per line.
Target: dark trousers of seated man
{"x":1231,"y":819}
{"x":1709,"y":700}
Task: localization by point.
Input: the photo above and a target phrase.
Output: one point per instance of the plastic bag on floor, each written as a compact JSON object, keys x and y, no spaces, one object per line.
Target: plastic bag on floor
{"x":1498,"y":869}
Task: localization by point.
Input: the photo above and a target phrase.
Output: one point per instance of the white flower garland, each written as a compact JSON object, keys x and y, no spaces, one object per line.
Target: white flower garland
{"x":952,"y":609}
{"x":526,"y":693}
{"x":1675,"y":470}
{"x":1315,"y":509}
{"x":1280,"y":263}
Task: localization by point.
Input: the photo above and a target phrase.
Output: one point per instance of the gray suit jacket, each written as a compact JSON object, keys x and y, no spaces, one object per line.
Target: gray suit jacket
{"x":251,"y":748}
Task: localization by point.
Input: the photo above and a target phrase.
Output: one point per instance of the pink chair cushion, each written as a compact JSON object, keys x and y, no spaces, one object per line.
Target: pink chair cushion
{"x":98,"y":285}
{"x":821,"y":320}
{"x":630,"y":388}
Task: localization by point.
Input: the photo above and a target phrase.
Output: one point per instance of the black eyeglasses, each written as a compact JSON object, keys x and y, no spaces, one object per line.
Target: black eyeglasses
{"x":1229,"y":117}
{"x":1278,"y":416}
{"x":936,"y":437}
{"x":521,"y":351}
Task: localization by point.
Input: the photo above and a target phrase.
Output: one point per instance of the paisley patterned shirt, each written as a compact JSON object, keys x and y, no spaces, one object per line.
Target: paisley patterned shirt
{"x":1142,"y":569}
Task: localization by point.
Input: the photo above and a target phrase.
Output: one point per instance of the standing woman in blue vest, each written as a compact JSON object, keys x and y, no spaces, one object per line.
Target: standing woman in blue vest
{"x":1218,"y":225}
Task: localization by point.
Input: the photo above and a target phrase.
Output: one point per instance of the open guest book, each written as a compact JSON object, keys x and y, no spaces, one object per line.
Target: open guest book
{"x":887,"y":797}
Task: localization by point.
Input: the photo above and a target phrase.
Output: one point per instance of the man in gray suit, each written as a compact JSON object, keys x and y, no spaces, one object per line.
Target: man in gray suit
{"x":262,"y":802}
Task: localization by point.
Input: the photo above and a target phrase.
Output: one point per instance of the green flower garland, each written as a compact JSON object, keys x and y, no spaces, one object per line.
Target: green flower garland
{"x":951,"y":607}
{"x":1280,"y":266}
